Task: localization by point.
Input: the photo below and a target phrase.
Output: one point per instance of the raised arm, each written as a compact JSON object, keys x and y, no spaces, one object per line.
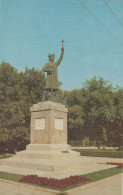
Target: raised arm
{"x":61,"y":56}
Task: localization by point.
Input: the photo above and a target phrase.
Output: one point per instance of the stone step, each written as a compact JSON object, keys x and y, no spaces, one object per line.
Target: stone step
{"x":48,"y":147}
{"x":47,"y":154}
{"x":20,"y":170}
{"x":47,"y":165}
{"x":27,"y":163}
{"x":26,"y":171}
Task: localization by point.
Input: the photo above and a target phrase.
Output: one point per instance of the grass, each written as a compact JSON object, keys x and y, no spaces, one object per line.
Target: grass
{"x":100,"y":150}
{"x":92,"y":176}
{"x":2,"y":156}
{"x":112,"y":153}
{"x":10,"y":176}
{"x":97,"y":150}
{"x":103,"y":174}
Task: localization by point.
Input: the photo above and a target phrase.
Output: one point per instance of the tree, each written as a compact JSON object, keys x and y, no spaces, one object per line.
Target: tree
{"x":10,"y":114}
{"x":115,"y":133}
{"x":75,"y":122}
{"x":100,"y":109}
{"x":18,"y":91}
{"x":95,"y":111}
{"x":74,"y":102}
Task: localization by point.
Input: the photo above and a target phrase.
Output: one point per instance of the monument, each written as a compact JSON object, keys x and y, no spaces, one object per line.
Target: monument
{"x":48,"y":149}
{"x":52,"y":75}
{"x":48,"y":153}
{"x":49,"y":119}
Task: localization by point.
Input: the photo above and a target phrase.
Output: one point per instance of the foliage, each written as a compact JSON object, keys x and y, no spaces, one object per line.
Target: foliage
{"x":120,"y":148}
{"x":75,"y":121}
{"x":94,"y":112}
{"x":92,"y":176}
{"x":18,"y":91}
{"x":120,"y":165}
{"x":99,"y":108}
{"x":5,"y":156}
{"x":115,"y":133}
{"x":55,"y":183}
{"x":75,"y":143}
{"x":75,"y":115}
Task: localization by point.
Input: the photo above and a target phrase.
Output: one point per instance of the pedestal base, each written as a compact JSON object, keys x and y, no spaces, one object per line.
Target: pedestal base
{"x":48,"y":160}
{"x":46,"y":157}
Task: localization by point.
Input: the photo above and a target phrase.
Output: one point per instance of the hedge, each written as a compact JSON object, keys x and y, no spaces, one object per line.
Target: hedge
{"x":120,"y":148}
{"x":101,"y":153}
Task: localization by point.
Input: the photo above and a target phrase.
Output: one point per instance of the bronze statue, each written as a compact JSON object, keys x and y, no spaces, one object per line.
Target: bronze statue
{"x":52,"y":75}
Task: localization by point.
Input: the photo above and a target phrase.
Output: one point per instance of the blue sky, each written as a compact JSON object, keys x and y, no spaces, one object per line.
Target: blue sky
{"x":32,"y":29}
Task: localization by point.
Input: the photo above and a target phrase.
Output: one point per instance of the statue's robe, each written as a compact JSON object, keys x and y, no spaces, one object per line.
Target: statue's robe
{"x":52,"y":78}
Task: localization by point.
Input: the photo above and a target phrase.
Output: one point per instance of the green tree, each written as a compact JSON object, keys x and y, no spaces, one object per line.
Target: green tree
{"x":18,"y":91}
{"x":10,"y":114}
{"x":74,"y":102}
{"x":75,"y":122}
{"x":95,"y":111}
{"x":115,"y":133}
{"x":100,"y":110}
{"x":32,"y":83}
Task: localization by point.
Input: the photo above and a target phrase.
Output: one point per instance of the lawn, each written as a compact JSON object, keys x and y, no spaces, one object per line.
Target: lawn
{"x":2,"y":156}
{"x":103,"y":174}
{"x":10,"y":176}
{"x":112,"y":153}
{"x":92,"y":176}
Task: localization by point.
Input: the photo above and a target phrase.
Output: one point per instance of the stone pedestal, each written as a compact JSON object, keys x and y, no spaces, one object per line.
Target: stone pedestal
{"x":48,"y":123}
{"x":48,"y":153}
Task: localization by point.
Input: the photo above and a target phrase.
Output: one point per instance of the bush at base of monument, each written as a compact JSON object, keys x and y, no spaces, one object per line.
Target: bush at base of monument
{"x":120,"y":165}
{"x":55,"y":183}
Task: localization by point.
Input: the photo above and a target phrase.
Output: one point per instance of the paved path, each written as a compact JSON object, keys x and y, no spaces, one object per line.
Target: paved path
{"x":13,"y":188}
{"x":112,"y":187}
{"x":108,"y":186}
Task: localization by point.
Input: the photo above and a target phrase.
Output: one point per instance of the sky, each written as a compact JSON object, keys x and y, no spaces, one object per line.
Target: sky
{"x":32,"y":29}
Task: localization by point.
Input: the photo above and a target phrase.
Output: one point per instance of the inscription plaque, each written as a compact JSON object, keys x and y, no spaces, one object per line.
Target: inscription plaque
{"x":39,"y":123}
{"x":59,"y":123}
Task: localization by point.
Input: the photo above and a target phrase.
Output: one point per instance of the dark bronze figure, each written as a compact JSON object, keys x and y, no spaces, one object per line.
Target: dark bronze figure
{"x":52,"y":75}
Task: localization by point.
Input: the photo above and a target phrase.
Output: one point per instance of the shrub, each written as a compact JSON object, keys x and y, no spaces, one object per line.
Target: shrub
{"x":120,"y":165}
{"x":55,"y":183}
{"x":120,"y":148}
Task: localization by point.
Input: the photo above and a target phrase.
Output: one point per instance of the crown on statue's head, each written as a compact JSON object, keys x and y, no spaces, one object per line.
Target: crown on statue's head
{"x":51,"y":56}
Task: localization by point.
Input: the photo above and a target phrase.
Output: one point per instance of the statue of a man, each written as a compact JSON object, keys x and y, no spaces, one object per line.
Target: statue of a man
{"x":52,"y":75}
